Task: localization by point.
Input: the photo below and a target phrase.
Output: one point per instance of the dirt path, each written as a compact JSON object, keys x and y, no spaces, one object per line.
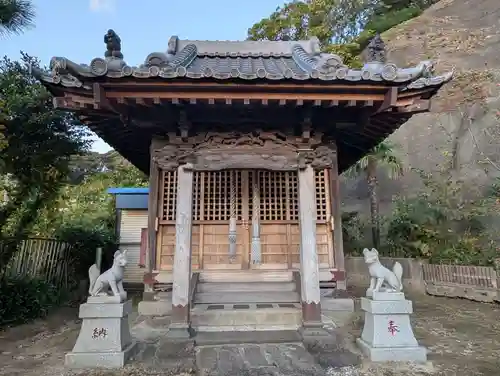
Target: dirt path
{"x":463,"y":338}
{"x":30,"y":349}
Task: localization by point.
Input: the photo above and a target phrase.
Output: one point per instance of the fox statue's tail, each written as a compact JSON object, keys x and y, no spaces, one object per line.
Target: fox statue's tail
{"x":397,"y":269}
{"x":93,"y":275}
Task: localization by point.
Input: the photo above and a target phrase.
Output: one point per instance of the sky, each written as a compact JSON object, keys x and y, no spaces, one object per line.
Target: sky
{"x":75,"y":28}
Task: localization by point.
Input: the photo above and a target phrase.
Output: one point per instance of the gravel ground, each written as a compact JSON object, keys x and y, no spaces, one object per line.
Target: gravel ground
{"x":463,"y":338}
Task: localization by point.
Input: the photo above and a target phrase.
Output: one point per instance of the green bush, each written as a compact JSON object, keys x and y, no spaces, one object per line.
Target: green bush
{"x":22,"y":300}
{"x":85,"y":238}
{"x":444,"y":223}
{"x":354,"y":229}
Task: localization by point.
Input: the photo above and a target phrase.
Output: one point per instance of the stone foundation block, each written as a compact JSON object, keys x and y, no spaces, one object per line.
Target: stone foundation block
{"x":104,"y":340}
{"x":179,"y":331}
{"x":337,"y":304}
{"x":311,"y":331}
{"x":417,"y":354}
{"x":387,"y":333}
{"x":155,"y":308}
{"x":100,"y":359}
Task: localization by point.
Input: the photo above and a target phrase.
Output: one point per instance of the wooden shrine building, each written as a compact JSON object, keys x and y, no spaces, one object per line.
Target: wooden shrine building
{"x":243,"y":143}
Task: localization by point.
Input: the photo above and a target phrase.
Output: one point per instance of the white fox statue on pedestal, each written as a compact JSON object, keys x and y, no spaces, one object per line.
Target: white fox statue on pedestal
{"x":387,"y":334}
{"x":111,"y":278}
{"x":104,"y":340}
{"x":380,"y":276}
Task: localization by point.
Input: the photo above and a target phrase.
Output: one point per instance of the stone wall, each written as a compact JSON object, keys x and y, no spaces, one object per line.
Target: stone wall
{"x":468,"y":282}
{"x":357,"y":271}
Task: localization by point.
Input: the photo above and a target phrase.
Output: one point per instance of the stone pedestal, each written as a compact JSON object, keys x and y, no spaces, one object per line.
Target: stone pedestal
{"x":104,"y":340}
{"x":387,"y":332}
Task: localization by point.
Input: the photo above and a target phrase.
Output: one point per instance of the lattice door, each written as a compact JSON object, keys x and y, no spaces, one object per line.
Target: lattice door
{"x":274,"y":214}
{"x":279,"y":217}
{"x":225,"y":196}
{"x":214,"y":203}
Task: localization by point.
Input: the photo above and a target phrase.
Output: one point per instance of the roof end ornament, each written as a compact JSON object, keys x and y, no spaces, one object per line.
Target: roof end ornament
{"x":376,"y":66}
{"x":113,"y":45}
{"x":375,"y":51}
{"x":172,"y":45}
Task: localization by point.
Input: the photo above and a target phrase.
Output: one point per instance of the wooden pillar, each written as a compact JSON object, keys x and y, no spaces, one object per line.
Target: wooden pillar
{"x":309,"y":269}
{"x":256,"y":246}
{"x":149,"y":277}
{"x":232,"y":216}
{"x":180,"y":323}
{"x":339,"y":274}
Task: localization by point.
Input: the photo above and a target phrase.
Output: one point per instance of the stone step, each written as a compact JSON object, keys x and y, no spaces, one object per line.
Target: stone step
{"x":246,"y":297}
{"x":246,"y":276}
{"x":245,"y":286}
{"x":212,"y":318}
{"x":244,"y":328}
{"x":246,"y":337}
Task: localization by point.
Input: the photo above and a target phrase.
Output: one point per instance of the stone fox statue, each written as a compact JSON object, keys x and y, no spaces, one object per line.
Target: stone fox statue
{"x":380,"y":276}
{"x":111,"y":278}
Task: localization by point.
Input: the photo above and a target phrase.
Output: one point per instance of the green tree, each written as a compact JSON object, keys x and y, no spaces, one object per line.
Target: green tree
{"x":300,"y":20}
{"x":91,"y":163}
{"x":383,"y":157}
{"x":15,"y":16}
{"x":88,"y":204}
{"x":344,"y":27}
{"x":38,"y":142}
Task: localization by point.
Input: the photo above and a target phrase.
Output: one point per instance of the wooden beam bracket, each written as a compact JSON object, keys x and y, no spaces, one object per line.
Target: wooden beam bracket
{"x":390,"y":100}
{"x":184,"y":125}
{"x":100,"y":100}
{"x":306,"y":130}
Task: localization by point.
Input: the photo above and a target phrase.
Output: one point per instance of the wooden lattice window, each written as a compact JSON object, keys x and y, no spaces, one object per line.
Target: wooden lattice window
{"x":216,"y":198}
{"x":293,"y":195}
{"x":169,"y":195}
{"x":279,"y":195}
{"x":198,"y":189}
{"x":321,"y":195}
{"x":273,"y":188}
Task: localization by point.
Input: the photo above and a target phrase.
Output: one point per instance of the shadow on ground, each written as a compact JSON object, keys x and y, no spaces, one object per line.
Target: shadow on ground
{"x":463,"y":338}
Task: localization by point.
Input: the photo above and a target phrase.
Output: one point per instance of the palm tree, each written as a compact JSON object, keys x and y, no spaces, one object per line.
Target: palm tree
{"x":16,"y":16}
{"x":383,"y":155}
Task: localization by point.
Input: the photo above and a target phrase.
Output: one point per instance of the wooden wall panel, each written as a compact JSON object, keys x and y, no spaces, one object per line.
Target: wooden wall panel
{"x":274,"y":245}
{"x":166,"y":246}
{"x":216,"y":247}
{"x":323,"y":245}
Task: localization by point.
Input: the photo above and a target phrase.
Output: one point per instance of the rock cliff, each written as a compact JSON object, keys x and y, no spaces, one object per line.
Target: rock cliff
{"x":463,"y":126}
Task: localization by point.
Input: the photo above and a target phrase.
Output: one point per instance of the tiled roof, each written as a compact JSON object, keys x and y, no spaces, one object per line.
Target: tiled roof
{"x":245,"y":60}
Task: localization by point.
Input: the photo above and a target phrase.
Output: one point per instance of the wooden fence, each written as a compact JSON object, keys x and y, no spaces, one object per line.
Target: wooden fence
{"x":45,"y":259}
{"x":479,"y":276}
{"x":480,"y":283}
